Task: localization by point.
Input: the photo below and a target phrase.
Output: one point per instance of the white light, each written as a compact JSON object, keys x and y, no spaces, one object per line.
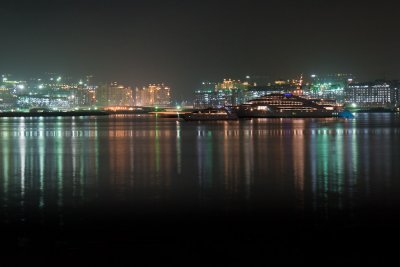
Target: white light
{"x":313,"y":76}
{"x":21,"y":86}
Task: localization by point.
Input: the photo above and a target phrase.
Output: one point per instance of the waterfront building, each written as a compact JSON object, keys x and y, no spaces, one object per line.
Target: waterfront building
{"x":7,"y":100}
{"x":206,"y":96}
{"x":153,"y":95}
{"x":226,"y":93}
{"x":205,"y":99}
{"x":114,"y":94}
{"x":83,"y":96}
{"x":230,"y":92}
{"x":329,"y":86}
{"x":378,"y":94}
{"x":26,"y":102}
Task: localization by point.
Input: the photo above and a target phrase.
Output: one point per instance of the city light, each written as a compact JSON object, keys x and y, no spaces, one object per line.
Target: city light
{"x":342,"y":88}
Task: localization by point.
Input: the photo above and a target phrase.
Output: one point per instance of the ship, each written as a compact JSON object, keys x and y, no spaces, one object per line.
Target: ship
{"x":283,"y":106}
{"x":210,"y":114}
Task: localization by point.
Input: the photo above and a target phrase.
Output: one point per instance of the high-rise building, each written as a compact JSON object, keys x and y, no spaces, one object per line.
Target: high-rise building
{"x":7,"y":100}
{"x":206,"y":96}
{"x":329,"y":86}
{"x":153,"y":95}
{"x":84,"y":96}
{"x":114,"y":94}
{"x":226,"y":93}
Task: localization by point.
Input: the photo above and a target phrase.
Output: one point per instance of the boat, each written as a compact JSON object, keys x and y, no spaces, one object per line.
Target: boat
{"x":283,"y":106}
{"x":168,"y":114}
{"x":210,"y":114}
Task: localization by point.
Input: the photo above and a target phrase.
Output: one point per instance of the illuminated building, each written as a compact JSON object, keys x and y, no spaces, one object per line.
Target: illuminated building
{"x":231,"y":92}
{"x":153,"y":95}
{"x":280,"y":82}
{"x":329,"y":86}
{"x":299,"y":86}
{"x":378,"y":94}
{"x":227,"y":93}
{"x":43,"y":101}
{"x":206,"y":97}
{"x":7,"y":100}
{"x":114,"y":94}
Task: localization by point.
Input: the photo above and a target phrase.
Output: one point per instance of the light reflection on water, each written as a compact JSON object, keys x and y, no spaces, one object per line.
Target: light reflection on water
{"x":307,"y":164}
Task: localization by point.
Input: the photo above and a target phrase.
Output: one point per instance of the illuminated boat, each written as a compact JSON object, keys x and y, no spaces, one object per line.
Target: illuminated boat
{"x":283,"y":106}
{"x":210,"y":115}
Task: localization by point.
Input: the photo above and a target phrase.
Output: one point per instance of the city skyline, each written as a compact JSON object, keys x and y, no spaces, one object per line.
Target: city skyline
{"x":141,"y":42}
{"x":201,"y":132}
{"x":60,"y":92}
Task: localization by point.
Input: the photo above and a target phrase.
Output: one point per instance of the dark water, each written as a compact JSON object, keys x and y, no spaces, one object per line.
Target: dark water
{"x":129,"y":188}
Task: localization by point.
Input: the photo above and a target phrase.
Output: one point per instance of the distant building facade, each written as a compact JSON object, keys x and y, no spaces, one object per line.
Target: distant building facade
{"x":329,"y":86}
{"x":231,"y":92}
{"x":226,"y":93}
{"x":7,"y":99}
{"x":153,"y":95}
{"x":114,"y":94}
{"x":378,"y":94}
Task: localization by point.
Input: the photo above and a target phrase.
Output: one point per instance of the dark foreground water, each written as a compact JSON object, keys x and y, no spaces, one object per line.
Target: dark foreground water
{"x":139,"y":189}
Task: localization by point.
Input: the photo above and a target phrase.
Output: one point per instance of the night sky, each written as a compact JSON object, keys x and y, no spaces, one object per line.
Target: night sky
{"x":186,"y":42}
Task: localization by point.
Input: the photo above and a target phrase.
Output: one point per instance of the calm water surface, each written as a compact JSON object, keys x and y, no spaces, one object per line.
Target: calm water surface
{"x":138,"y":182}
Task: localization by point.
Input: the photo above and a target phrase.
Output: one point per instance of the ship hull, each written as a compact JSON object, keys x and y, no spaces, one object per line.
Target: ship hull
{"x":203,"y":117}
{"x":285,"y":114}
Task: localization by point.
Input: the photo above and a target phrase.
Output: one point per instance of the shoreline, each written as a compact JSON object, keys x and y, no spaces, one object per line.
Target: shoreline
{"x":53,"y":114}
{"x":108,"y":113}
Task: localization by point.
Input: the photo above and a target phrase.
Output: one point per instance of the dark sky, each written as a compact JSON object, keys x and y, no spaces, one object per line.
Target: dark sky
{"x":185,"y":42}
